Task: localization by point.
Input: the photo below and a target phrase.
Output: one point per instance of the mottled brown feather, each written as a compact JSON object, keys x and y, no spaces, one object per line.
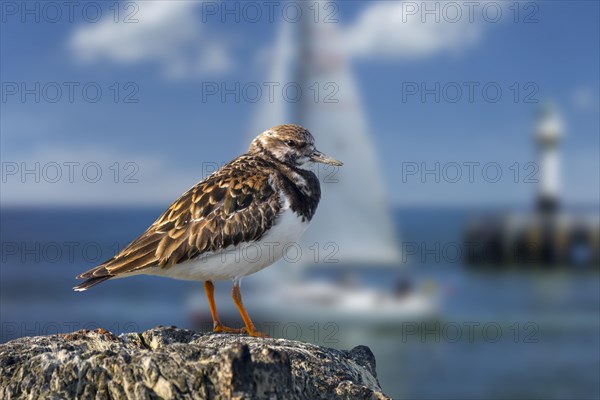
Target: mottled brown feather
{"x":236,"y":204}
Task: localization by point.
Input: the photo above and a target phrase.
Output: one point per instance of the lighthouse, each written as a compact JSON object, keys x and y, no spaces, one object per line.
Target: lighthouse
{"x":548,"y":237}
{"x":548,"y":133}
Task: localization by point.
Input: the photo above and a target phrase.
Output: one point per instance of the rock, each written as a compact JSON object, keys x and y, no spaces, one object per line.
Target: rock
{"x":172,"y":363}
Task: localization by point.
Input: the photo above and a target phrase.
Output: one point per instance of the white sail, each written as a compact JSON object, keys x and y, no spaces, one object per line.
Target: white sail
{"x":353,"y":224}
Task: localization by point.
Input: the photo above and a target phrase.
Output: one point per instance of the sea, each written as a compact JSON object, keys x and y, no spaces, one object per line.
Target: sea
{"x":501,"y":333}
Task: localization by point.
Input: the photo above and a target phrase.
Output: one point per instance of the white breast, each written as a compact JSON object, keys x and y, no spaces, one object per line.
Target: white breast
{"x":244,"y":259}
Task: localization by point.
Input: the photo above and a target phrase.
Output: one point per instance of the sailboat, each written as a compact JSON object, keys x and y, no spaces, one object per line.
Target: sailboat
{"x":351,"y":241}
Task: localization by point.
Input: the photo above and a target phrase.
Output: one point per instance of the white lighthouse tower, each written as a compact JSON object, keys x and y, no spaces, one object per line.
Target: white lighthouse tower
{"x":548,"y":132}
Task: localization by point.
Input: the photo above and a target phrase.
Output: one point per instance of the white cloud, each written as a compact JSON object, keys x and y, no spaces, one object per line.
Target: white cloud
{"x":167,"y":32}
{"x":171,"y":34}
{"x":394,"y":30}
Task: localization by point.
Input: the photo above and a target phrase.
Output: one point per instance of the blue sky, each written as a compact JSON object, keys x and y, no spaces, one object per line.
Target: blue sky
{"x":171,"y":131}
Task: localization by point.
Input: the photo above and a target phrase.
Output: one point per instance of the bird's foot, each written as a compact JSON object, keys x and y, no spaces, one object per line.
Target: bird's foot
{"x":220,"y":328}
{"x":254,"y":332}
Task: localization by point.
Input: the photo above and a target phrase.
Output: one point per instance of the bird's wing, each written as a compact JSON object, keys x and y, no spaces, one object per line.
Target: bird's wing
{"x":232,"y":206}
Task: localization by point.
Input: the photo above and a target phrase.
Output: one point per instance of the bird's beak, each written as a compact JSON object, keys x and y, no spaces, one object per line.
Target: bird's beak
{"x":319,"y":157}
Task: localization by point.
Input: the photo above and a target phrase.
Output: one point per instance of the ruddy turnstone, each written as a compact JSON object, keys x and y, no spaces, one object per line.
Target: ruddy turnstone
{"x":265,"y":199}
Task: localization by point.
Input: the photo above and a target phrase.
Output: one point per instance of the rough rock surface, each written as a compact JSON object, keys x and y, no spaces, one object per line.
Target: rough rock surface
{"x":170,"y":363}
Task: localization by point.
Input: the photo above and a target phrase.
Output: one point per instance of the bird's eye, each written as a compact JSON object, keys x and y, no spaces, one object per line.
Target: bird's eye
{"x":290,"y":143}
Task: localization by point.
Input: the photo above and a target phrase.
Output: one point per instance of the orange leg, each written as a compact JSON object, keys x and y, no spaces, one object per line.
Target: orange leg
{"x":209,"y":288}
{"x":237,"y":299}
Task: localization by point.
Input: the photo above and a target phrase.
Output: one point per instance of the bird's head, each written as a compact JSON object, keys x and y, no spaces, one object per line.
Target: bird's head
{"x":291,"y":144}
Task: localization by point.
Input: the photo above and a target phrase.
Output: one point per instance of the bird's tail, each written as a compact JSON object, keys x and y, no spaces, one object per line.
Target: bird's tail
{"x":92,"y":277}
